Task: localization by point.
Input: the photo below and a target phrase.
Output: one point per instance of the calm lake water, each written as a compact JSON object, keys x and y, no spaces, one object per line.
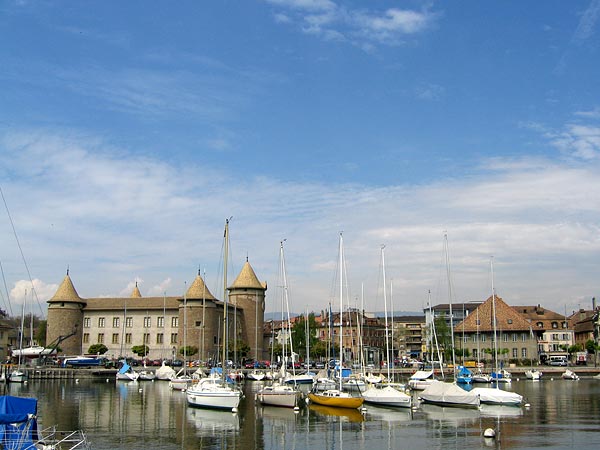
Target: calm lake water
{"x":148,"y":415}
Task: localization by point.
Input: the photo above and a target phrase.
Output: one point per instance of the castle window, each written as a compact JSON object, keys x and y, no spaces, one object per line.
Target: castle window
{"x":147,"y":322}
{"x":515,"y":352}
{"x":159,"y":338}
{"x":524,"y":352}
{"x":115,"y":322}
{"x":86,"y":338}
{"x":173,"y":338}
{"x":514,"y":337}
{"x":146,"y":338}
{"x":128,"y":338}
{"x":160,"y":322}
{"x":540,"y":325}
{"x":100,"y":338}
{"x":100,"y":324}
{"x":175,"y":322}
{"x":554,"y":324}
{"x":129,"y":322}
{"x":214,"y":340}
{"x":86,"y":322}
{"x":115,"y":338}
{"x":505,"y":337}
{"x":198,"y":323}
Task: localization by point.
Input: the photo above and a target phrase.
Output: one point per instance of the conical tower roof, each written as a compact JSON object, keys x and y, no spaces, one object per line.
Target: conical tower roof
{"x":199,"y":290}
{"x":247,"y":279}
{"x":136,"y":292}
{"x":66,"y":292}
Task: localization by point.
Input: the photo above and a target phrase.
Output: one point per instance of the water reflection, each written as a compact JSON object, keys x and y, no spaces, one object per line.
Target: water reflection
{"x":148,"y":415}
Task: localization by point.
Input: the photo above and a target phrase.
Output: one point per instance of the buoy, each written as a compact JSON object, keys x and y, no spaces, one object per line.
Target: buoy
{"x":140,"y":390}
{"x":107,"y":380}
{"x":296,"y":409}
{"x":234,"y":410}
{"x":489,"y":433}
{"x":527,"y":405}
{"x":363,"y":409}
{"x":77,"y":380}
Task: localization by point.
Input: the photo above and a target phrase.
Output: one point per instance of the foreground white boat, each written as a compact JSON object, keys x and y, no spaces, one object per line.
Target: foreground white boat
{"x":213,"y":393}
{"x":569,"y":375}
{"x":533,"y":374}
{"x":387,"y":396}
{"x":421,"y":380}
{"x":279,"y":395}
{"x":495,"y":396}
{"x":165,"y":372}
{"x":449,"y":394}
{"x":126,"y":373}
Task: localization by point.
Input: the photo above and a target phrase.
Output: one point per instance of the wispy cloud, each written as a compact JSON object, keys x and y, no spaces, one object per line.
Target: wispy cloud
{"x":360,"y":27}
{"x":117,"y":215}
{"x":587,"y":22}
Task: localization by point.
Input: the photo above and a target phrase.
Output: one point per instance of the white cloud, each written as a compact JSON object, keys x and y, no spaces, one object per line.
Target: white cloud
{"x":111,"y":215}
{"x":580,"y":141}
{"x":22,"y":293}
{"x":362,"y":28}
{"x":585,"y":28}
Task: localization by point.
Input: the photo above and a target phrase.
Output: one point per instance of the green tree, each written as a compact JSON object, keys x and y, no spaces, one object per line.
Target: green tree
{"x":299,"y":334}
{"x":97,"y":349}
{"x":591,"y":346}
{"x":40,"y":332}
{"x":140,"y":350}
{"x":442,"y":330}
{"x":238,"y":350}
{"x":188,"y":351}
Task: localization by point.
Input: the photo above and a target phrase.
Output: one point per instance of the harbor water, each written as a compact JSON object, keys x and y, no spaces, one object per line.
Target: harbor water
{"x":148,"y":415}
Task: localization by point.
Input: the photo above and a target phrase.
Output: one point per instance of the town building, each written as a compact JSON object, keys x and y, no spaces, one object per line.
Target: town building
{"x":164,"y":324}
{"x":495,"y":326}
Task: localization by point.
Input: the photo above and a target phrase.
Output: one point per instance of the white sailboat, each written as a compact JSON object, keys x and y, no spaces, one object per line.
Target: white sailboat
{"x":494,"y":395}
{"x":18,"y":375}
{"x":386,"y":395}
{"x":286,"y":394}
{"x":442,"y":393}
{"x":214,"y":392}
{"x":337,"y":397}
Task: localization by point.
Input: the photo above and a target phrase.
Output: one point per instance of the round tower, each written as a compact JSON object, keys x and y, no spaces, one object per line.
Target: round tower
{"x":65,"y":316}
{"x":202,"y":321}
{"x":248,"y":294}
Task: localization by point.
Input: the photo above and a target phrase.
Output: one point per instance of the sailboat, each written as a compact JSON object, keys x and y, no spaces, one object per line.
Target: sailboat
{"x":479,"y":377}
{"x":17,"y":375}
{"x":337,"y":397}
{"x":494,"y":395}
{"x":182,"y":380}
{"x":126,"y":373}
{"x":386,"y":395}
{"x":279,"y":394}
{"x":443,"y":393}
{"x":422,"y":379}
{"x":217,"y":392}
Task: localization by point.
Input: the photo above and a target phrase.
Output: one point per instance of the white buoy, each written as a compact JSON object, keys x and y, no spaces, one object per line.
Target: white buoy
{"x":77,"y":380}
{"x":107,"y":380}
{"x":527,"y":405}
{"x":296,"y":409}
{"x":489,"y":433}
{"x":140,"y":390}
{"x":234,"y":410}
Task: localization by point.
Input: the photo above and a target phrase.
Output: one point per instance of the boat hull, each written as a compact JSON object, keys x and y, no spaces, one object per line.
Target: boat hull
{"x":279,"y":397}
{"x":225,"y":399}
{"x":338,"y":400}
{"x":387,"y":396}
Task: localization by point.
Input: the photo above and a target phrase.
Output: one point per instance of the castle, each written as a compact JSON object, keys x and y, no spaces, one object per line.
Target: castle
{"x":163,"y":324}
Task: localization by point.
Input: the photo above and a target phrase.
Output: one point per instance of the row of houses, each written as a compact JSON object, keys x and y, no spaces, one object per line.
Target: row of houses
{"x":520,"y":334}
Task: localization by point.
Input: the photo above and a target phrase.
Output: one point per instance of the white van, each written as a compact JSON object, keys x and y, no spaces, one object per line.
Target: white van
{"x":557,"y":360}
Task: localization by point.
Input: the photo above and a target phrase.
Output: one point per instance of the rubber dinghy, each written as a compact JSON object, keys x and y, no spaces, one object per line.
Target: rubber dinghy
{"x":449,"y":394}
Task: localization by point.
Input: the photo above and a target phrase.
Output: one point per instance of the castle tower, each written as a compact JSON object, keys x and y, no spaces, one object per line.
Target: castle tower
{"x":202,"y":319}
{"x":136,"y":292}
{"x":65,"y":316}
{"x":248,"y":294}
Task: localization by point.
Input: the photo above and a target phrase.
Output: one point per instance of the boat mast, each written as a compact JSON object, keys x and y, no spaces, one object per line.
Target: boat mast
{"x":341,"y":305}
{"x":203,"y":316}
{"x":385,"y":312}
{"x":494,"y":315}
{"x":447,"y":254}
{"x":225,"y":303}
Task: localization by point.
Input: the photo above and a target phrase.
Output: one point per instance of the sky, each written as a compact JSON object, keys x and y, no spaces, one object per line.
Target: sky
{"x":453,"y":133}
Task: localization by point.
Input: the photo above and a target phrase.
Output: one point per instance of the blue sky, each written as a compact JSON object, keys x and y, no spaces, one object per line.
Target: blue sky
{"x":129,"y":132}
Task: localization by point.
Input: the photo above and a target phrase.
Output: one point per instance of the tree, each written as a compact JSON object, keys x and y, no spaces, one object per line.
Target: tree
{"x":591,"y":346}
{"x":442,"y":330}
{"x":40,"y":332}
{"x":140,"y":350}
{"x":97,"y":349}
{"x":299,"y":334}
{"x":188,"y":350}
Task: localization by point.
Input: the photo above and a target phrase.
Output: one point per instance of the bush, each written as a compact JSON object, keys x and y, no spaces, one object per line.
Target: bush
{"x":97,"y":349}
